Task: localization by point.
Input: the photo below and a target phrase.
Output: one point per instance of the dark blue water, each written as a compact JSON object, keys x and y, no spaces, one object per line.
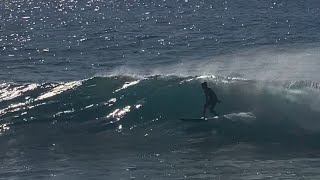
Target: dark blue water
{"x":95,"y":89}
{"x":70,"y":40}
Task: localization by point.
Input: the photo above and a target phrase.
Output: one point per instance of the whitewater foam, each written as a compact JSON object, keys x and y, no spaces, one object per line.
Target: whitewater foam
{"x":263,"y":63}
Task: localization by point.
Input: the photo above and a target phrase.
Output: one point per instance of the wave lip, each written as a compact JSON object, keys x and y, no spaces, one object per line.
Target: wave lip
{"x":27,"y":91}
{"x":11,"y":91}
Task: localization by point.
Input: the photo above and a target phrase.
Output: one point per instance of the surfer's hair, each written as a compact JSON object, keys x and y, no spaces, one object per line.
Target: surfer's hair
{"x":204,"y":84}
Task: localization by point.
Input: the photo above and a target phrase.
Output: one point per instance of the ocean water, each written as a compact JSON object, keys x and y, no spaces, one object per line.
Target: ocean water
{"x":96,"y":89}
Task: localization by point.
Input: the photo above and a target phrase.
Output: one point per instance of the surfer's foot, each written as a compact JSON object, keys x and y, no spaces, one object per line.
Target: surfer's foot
{"x":204,"y":118}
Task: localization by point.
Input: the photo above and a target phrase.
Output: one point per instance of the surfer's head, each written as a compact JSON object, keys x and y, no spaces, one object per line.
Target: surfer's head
{"x":204,"y":85}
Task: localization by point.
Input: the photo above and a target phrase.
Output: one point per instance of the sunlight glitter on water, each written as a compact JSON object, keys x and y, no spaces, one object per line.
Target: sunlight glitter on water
{"x":128,"y":84}
{"x":119,"y":113}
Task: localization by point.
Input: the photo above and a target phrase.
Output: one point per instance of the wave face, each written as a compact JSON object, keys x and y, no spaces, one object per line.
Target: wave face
{"x":257,"y":111}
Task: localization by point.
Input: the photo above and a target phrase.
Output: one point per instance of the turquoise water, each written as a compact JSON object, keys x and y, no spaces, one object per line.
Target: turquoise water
{"x":125,"y":127}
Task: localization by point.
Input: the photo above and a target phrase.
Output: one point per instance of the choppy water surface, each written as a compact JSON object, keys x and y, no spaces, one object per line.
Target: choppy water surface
{"x":95,"y":89}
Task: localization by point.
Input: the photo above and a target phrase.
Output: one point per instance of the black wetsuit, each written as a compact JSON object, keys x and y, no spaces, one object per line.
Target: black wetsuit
{"x":211,"y":97}
{"x":211,"y":100}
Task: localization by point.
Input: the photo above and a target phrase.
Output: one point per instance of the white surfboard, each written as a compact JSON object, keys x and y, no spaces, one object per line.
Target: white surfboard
{"x":199,"y":119}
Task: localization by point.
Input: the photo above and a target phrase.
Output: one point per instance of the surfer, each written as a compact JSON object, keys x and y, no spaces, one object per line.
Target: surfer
{"x":211,"y":99}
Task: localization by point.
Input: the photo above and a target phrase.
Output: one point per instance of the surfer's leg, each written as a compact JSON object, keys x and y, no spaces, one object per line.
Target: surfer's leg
{"x":214,"y":113}
{"x":205,"y":109}
{"x":212,"y":109}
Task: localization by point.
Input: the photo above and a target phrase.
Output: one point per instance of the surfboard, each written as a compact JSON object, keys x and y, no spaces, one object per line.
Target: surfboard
{"x":245,"y":117}
{"x":199,"y":119}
